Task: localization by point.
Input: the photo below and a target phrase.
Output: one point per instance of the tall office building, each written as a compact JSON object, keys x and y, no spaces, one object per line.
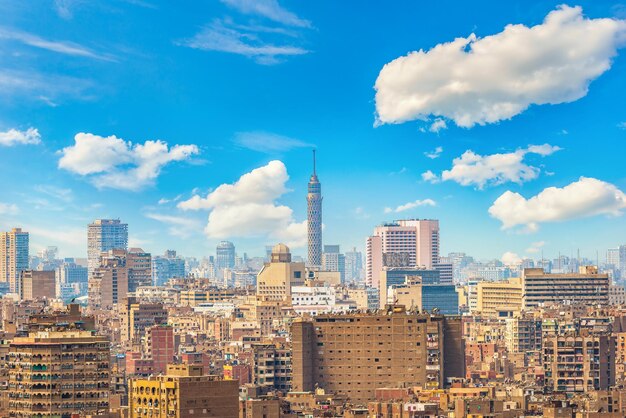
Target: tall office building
{"x":314,"y":219}
{"x":13,"y":257}
{"x":167,"y":267}
{"x":108,"y":283}
{"x":225,"y":256}
{"x":333,"y":260}
{"x":587,"y":286}
{"x":104,"y":235}
{"x":139,"y":265}
{"x":403,"y":243}
{"x":354,"y":266}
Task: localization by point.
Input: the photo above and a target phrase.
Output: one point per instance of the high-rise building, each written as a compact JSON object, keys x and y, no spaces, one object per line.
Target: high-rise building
{"x":104,"y":235}
{"x":183,"y":392}
{"x":13,"y":257}
{"x":333,"y":260}
{"x":276,"y":278}
{"x":375,"y":350}
{"x":314,"y":219}
{"x":137,"y":317}
{"x":36,"y":284}
{"x":108,"y":283}
{"x":139,"y":265}
{"x":354,"y":266}
{"x":72,"y":276}
{"x":587,"y":286}
{"x":167,"y":267}
{"x":403,"y":243}
{"x":225,"y":256}
{"x":60,"y":369}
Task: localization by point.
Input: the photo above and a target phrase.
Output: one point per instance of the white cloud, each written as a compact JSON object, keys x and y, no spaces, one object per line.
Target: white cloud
{"x":268,"y":142}
{"x":248,"y":207}
{"x":511,"y":259}
{"x":15,"y":137}
{"x":179,"y":226}
{"x":478,"y":170}
{"x":485,"y":80}
{"x":65,"y":48}
{"x":269,"y":9}
{"x":411,"y":205}
{"x":430,"y":177}
{"x":111,"y":162}
{"x":59,"y":193}
{"x":535,"y":247}
{"x":583,"y":198}
{"x":223,"y":36}
{"x":434,"y":154}
{"x":8,"y":209}
{"x":438,"y":125}
{"x":621,"y":125}
{"x":360,"y":213}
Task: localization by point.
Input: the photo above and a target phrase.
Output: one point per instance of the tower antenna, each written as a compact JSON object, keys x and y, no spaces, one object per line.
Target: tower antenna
{"x":314,"y":161}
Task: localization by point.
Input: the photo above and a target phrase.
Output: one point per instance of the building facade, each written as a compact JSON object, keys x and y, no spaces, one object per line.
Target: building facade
{"x":402,"y":243}
{"x":385,"y":349}
{"x":13,"y":257}
{"x":587,"y":287}
{"x":104,"y":235}
{"x":183,"y":392}
{"x":58,"y":373}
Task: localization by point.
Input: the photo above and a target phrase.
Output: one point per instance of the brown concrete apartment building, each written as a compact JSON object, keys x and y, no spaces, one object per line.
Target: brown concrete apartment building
{"x":355,"y":354}
{"x":36,"y":284}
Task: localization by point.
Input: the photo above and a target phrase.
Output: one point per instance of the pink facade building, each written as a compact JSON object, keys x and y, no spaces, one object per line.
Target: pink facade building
{"x":403,"y":243}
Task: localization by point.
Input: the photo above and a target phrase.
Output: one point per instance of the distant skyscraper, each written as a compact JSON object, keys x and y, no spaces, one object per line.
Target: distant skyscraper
{"x":13,"y":257}
{"x":314,"y":218}
{"x":403,"y":243}
{"x":225,"y":255}
{"x":354,"y":266}
{"x":104,"y":235}
{"x":166,"y":267}
{"x":333,"y":260}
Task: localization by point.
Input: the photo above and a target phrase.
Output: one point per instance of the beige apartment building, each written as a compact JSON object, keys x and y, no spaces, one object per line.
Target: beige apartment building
{"x":37,"y":285}
{"x":392,"y":348}
{"x":577,"y":363}
{"x":183,"y":392}
{"x":276,"y":278}
{"x":493,"y":298}
{"x":58,"y":373}
{"x":585,"y":287}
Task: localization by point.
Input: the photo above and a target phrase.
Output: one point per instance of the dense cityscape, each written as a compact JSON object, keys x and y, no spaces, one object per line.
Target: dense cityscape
{"x":288,"y":209}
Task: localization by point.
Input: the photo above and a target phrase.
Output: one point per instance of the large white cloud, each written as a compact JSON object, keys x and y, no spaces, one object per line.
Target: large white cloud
{"x":484,"y":80}
{"x":111,"y":162}
{"x":248,"y":207}
{"x":478,"y":170}
{"x":16,"y":137}
{"x":582,"y":198}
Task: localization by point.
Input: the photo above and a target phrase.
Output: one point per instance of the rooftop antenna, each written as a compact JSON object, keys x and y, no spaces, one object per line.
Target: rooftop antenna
{"x":314,"y":161}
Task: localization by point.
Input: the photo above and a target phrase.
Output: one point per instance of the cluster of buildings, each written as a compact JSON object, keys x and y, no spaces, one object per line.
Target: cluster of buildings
{"x":408,"y":333}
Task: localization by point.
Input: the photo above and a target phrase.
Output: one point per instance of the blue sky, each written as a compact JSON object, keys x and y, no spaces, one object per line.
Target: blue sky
{"x":230,"y":87}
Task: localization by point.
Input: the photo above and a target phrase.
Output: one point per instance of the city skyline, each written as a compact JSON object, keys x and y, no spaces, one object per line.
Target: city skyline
{"x":380,"y":161}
